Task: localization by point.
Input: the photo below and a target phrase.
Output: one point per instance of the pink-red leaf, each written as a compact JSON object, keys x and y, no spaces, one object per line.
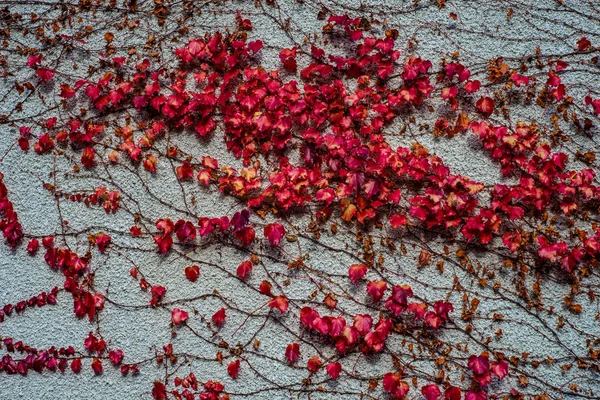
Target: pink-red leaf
{"x":357,"y":272}
{"x":292,"y":352}
{"x":179,"y":316}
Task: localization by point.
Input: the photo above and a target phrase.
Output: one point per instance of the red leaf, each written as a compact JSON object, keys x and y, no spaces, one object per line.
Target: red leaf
{"x":559,"y":92}
{"x":375,"y":289}
{"x":92,"y":91}
{"x":363,"y":323}
{"x":290,"y":65}
{"x":233,"y":368}
{"x":486,"y":105}
{"x":449,"y":92}
{"x":265,"y":288}
{"x":397,"y":220}
{"x":33,"y":246}
{"x":560,"y":65}
{"x":87,"y":157}
{"x":316,"y":52}
{"x":159,"y":391}
{"x":255,"y":46}
{"x":23,"y":143}
{"x":179,"y":316}
{"x":480,"y":395}
{"x":219,"y":317}
{"x":431,"y":392}
{"x":185,"y":171}
{"x":279,"y":302}
{"x":287,"y":53}
{"x":452,"y":393}
{"x":76,"y":365}
{"x":433,"y":320}
{"x":164,"y":242}
{"x":520,"y":79}
{"x":274,"y":232}
{"x":584,"y":44}
{"x":66,"y":91}
{"x":45,"y":74}
{"x":165,"y":225}
{"x":551,"y":251}
{"x":204,"y":177}
{"x":512,"y":240}
{"x":245,"y":235}
{"x":138,"y":101}
{"x":34,"y":61}
{"x":192,"y":273}
{"x":97,"y":366}
{"x":393,"y":384}
{"x":314,"y":363}
{"x":553,"y":79}
{"x":244,"y":269}
{"x":472,"y":86}
{"x":327,"y":195}
{"x":355,"y":35}
{"x":442,"y":308}
{"x":334,"y":370}
{"x":400,"y":294}
{"x":292,"y":352}
{"x":479,"y":364}
{"x":102,"y":241}
{"x":116,"y":356}
{"x":357,"y":272}
{"x":500,"y":369}
{"x":185,"y":231}
{"x":119,"y":60}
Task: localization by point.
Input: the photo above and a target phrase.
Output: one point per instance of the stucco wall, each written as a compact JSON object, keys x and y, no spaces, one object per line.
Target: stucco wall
{"x":481,"y":31}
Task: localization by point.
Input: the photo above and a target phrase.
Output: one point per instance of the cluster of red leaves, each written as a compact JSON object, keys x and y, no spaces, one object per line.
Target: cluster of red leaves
{"x":94,"y":345}
{"x":80,"y":134}
{"x":109,"y":200}
{"x":186,"y":231}
{"x":157,"y":291}
{"x":40,"y":300}
{"x":544,"y":182}
{"x":346,"y":167}
{"x":44,"y":73}
{"x":211,"y":390}
{"x":394,"y":384}
{"x":74,"y":268}
{"x":9,"y":224}
{"x":54,"y":359}
{"x":346,"y":161}
{"x":483,"y":370}
{"x":34,"y":359}
{"x":362,"y":333}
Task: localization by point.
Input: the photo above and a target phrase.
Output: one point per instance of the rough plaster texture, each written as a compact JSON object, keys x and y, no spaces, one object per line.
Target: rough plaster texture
{"x":481,"y":30}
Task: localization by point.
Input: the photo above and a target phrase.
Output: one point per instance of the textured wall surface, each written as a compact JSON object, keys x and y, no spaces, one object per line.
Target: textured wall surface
{"x":480,"y":31}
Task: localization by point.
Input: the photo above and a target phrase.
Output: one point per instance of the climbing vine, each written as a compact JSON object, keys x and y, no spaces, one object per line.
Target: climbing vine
{"x":281,"y":210}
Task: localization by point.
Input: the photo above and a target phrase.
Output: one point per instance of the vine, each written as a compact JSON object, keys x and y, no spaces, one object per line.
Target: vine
{"x":321,"y":248}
